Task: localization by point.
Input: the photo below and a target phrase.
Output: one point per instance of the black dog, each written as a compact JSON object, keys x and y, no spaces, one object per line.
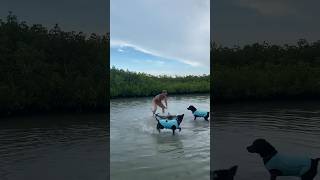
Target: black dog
{"x":196,"y":113}
{"x":169,"y":124}
{"x":282,"y":165}
{"x":224,"y":174}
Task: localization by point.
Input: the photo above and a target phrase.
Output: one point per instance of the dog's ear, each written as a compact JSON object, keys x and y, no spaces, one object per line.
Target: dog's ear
{"x":258,"y":143}
{"x":269,"y":148}
{"x":263,"y":147}
{"x":180,"y":117}
{"x":263,"y":143}
{"x":233,"y":170}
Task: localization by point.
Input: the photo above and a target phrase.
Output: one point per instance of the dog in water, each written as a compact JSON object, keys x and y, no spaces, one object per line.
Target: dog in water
{"x":197,"y":113}
{"x":279,"y":164}
{"x":169,"y":122}
{"x":224,"y":174}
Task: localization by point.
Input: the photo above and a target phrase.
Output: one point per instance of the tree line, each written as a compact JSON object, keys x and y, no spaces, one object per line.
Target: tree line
{"x":50,"y":69}
{"x":124,"y":83}
{"x":45,"y":69}
{"x":263,"y":71}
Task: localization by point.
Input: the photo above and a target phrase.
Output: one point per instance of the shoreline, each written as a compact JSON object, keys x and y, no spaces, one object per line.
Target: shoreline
{"x":170,"y":94}
{"x":215,"y":103}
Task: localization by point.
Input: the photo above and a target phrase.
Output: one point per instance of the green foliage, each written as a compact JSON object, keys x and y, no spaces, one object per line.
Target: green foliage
{"x":263,"y":71}
{"x":131,"y":84}
{"x":49,"y":70}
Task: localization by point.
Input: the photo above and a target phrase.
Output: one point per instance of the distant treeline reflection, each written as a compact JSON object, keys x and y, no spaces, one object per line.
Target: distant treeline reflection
{"x":131,"y":84}
{"x":51,"y":70}
{"x":265,"y":71}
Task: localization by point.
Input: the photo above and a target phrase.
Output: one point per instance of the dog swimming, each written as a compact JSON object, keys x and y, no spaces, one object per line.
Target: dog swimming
{"x":281,"y":164}
{"x":169,"y":122}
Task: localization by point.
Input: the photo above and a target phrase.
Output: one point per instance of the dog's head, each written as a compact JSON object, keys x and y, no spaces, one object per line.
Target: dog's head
{"x":192,"y":108}
{"x":180,"y":118}
{"x":262,"y":147}
{"x":225,"y":174}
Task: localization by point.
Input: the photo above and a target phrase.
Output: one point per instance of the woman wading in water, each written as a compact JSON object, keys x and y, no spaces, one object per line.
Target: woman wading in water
{"x":157,"y":101}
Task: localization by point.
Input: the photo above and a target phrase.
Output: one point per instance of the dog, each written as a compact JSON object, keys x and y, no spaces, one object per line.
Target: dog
{"x":165,"y":123}
{"x":283,"y":165}
{"x":197,"y":113}
{"x":224,"y":174}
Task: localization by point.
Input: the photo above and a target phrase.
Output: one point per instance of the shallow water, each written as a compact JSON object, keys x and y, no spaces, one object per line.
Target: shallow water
{"x":60,"y":147}
{"x":292,"y":127}
{"x":138,"y":151}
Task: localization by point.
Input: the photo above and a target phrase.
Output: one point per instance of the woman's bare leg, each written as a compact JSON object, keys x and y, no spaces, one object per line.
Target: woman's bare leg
{"x":161,"y":105}
{"x":154,"y":105}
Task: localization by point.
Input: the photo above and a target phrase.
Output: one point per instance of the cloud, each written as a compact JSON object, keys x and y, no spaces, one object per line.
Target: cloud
{"x":178,"y":29}
{"x":122,"y":44}
{"x":269,"y":7}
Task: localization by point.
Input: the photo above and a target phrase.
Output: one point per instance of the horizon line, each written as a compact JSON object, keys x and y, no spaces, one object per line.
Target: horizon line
{"x":159,"y":75}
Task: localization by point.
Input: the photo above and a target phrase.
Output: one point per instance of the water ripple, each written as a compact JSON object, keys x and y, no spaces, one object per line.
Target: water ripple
{"x":139,"y":151}
{"x":291,"y":127}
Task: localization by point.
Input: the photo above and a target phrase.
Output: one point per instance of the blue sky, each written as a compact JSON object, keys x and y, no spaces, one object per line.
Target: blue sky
{"x":127,"y":57}
{"x":161,"y":36}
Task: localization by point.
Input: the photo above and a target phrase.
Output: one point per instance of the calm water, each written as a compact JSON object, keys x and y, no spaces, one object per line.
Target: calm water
{"x":54,"y":148}
{"x":138,"y":151}
{"x":292,"y":127}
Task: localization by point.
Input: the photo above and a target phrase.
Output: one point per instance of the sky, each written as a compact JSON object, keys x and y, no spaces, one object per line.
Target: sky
{"x":232,"y":22}
{"x":161,"y":36}
{"x":89,"y":16}
{"x":240,"y":22}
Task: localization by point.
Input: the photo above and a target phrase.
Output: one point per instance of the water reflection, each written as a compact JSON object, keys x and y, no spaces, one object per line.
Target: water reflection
{"x":53,"y":147}
{"x":293,"y":128}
